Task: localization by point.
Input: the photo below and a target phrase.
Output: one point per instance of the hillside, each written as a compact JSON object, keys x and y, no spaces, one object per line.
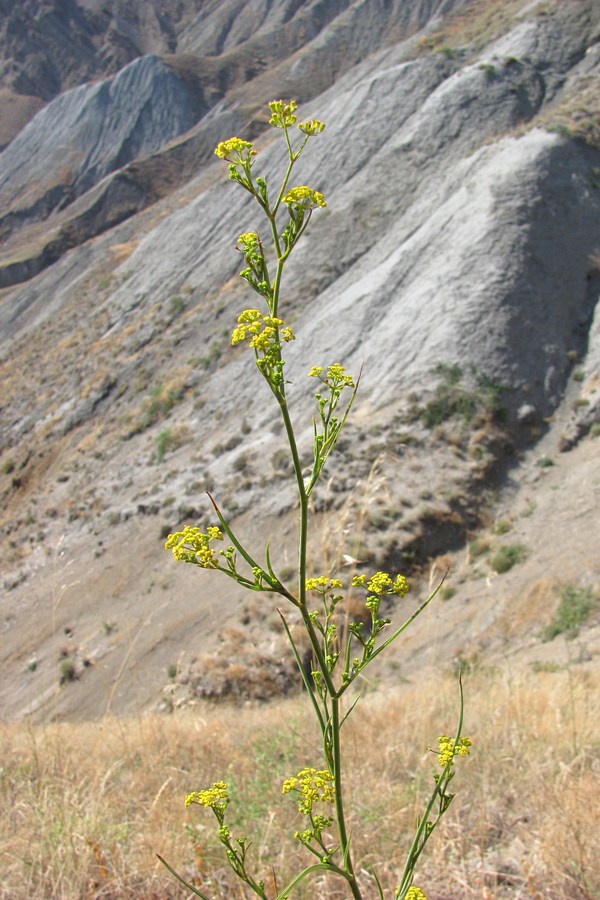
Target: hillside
{"x":457,"y":261}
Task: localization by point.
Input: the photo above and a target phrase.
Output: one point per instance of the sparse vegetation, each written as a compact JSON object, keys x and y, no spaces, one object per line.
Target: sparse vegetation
{"x":163,"y":442}
{"x":489,"y":69}
{"x":502,"y":526}
{"x":171,"y":439}
{"x":473,"y":26}
{"x":545,"y":462}
{"x":176,"y":306}
{"x":84,"y":807}
{"x":478,"y":547}
{"x":576,"y":604}
{"x":506,"y":557}
{"x":68,"y":671}
{"x":578,"y":114}
{"x":453,"y":399}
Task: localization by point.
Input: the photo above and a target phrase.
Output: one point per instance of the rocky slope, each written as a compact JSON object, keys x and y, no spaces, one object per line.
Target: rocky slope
{"x":457,"y":261}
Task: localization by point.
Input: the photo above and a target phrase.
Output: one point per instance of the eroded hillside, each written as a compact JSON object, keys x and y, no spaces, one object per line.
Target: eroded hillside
{"x":456,"y":261}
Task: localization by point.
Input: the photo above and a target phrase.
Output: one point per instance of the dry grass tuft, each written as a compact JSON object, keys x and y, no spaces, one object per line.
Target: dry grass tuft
{"x":85,"y":807}
{"x":474,"y":25}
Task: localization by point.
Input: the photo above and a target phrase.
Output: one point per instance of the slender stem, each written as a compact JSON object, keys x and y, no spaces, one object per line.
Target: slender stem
{"x":339,"y":798}
{"x":331,"y":733}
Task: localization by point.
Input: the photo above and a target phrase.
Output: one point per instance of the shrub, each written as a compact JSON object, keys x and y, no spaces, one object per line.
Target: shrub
{"x":478,"y":547}
{"x":502,"y":526}
{"x":68,"y":671}
{"x":507,"y":557}
{"x":576,"y":604}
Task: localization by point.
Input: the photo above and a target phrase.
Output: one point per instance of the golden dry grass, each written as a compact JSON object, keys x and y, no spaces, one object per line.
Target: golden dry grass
{"x":473,"y":25}
{"x":85,"y":807}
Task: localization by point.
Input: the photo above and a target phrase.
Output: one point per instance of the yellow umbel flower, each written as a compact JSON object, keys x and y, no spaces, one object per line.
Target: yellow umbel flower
{"x":282,"y":114}
{"x":401,"y":586}
{"x":335,"y":375}
{"x":449,"y":748}
{"x":414,"y":893}
{"x":249,"y":238}
{"x":305,"y":197}
{"x":262,"y":330}
{"x":217,"y":795}
{"x":312,"y":786}
{"x":235,"y":149}
{"x":191,"y":545}
{"x":322,"y":583}
{"x":379,"y":583}
{"x":313,"y":126}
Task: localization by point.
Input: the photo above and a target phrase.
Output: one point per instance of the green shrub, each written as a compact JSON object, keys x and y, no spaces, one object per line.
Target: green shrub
{"x":506,"y":557}
{"x":164,"y":442}
{"x":544,"y":462}
{"x":478,"y":547}
{"x":68,"y":671}
{"x":453,"y":400}
{"x":176,"y":306}
{"x":502,"y":526}
{"x":576,"y":604}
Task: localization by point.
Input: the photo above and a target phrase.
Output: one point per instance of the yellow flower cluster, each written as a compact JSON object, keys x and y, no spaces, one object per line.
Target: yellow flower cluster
{"x":414,"y":893}
{"x":336,"y":373}
{"x":313,"y":126}
{"x":335,"y":376}
{"x":305,"y":197}
{"x":249,"y":238}
{"x":282,"y":114}
{"x":235,"y":147}
{"x":381,"y":583}
{"x":313,"y":787}
{"x":191,"y":545}
{"x":322,"y":584}
{"x":262,"y":330}
{"x":215,"y":796}
{"x":449,"y":748}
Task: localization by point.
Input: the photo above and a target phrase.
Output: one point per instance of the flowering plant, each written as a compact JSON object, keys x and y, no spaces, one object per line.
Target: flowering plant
{"x":337,"y":658}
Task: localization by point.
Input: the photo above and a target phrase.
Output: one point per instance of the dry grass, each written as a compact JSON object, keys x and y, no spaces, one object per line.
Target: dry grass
{"x":577,"y":115}
{"x":474,"y":25}
{"x":85,"y":807}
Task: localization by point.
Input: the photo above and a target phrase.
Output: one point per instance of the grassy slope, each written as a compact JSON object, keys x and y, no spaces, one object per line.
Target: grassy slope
{"x":87,"y":806}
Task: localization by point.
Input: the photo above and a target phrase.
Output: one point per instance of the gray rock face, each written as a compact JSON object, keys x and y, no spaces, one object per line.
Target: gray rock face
{"x":461,"y":228}
{"x":227,"y":50}
{"x":90,"y":131}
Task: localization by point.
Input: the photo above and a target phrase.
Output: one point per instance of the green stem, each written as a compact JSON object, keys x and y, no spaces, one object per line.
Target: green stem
{"x":318,"y":867}
{"x":331,"y":733}
{"x":339,"y":798}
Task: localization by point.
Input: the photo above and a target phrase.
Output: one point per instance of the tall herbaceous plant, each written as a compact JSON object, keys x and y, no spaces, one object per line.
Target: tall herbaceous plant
{"x":319,"y":790}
